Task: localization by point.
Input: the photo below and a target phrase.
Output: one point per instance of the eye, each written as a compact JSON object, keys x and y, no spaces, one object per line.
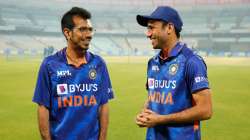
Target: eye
{"x":85,"y":29}
{"x":150,"y":27}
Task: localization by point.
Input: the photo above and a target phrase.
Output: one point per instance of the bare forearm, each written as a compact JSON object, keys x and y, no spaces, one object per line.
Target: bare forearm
{"x":104,"y":121}
{"x":202,"y":110}
{"x":188,"y":115}
{"x":43,"y":122}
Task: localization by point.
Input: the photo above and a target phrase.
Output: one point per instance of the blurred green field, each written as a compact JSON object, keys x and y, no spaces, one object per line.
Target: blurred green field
{"x":230,"y":86}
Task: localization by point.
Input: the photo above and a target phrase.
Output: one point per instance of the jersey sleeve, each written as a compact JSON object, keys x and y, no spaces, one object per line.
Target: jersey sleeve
{"x":147,"y":80}
{"x":42,"y":90}
{"x":196,"y":74}
{"x":106,"y":89}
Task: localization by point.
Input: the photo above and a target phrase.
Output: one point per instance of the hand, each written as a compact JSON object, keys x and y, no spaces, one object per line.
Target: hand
{"x":150,"y":118}
{"x":140,"y":120}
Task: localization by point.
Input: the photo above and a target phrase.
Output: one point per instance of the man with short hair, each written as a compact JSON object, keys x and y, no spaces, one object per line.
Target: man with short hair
{"x":73,"y":86}
{"x":178,"y":90}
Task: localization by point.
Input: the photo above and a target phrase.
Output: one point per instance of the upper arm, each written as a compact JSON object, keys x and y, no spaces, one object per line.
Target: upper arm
{"x":43,"y":116}
{"x":42,"y":110}
{"x":196,"y":74}
{"x":106,"y":86}
{"x":104,"y":110}
{"x":203,"y":100}
{"x":42,"y":90}
{"x":197,"y":81}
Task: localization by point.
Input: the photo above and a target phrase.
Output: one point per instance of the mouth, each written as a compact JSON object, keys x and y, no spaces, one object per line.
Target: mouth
{"x":85,"y":41}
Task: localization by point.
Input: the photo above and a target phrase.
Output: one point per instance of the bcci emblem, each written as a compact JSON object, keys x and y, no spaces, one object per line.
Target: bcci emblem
{"x":92,"y":74}
{"x":173,"y":69}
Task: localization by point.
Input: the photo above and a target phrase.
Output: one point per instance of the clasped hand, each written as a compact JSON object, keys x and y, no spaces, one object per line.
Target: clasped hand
{"x":147,"y":118}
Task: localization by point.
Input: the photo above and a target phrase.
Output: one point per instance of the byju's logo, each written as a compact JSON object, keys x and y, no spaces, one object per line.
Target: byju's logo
{"x":62,"y":89}
{"x":155,"y":83}
{"x":151,"y":83}
{"x":62,"y":73}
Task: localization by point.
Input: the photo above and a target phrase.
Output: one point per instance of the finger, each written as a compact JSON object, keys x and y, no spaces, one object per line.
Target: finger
{"x":148,"y":111}
{"x":139,"y":117}
{"x":149,"y":117}
{"x":139,"y":123}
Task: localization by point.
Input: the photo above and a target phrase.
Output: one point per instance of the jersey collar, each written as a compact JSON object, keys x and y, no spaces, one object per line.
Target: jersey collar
{"x":174,"y":52}
{"x":63,"y":54}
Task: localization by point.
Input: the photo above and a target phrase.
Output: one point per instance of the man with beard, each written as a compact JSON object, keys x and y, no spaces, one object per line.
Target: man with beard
{"x":73,"y":86}
{"x":178,"y":90}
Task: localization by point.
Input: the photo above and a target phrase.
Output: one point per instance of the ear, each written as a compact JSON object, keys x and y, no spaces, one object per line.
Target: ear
{"x":66,"y":32}
{"x":170,"y":28}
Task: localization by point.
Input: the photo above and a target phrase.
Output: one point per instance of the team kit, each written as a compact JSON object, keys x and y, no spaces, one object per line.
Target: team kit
{"x":76,"y":97}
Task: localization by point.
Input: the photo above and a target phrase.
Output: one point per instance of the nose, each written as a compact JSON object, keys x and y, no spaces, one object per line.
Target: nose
{"x":88,"y":34}
{"x":148,"y":33}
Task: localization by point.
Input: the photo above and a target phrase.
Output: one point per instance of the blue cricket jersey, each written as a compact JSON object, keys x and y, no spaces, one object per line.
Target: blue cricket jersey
{"x":73,"y":95}
{"x":170,"y":85}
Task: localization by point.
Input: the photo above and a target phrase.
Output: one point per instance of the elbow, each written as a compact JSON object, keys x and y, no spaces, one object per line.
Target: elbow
{"x":208,"y":113}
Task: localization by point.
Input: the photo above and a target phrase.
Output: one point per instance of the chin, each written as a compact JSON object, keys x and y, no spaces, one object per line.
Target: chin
{"x":156,"y":47}
{"x":85,"y":47}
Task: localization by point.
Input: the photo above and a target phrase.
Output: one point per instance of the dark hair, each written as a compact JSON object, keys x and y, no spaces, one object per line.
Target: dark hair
{"x":67,"y":19}
{"x":177,"y":32}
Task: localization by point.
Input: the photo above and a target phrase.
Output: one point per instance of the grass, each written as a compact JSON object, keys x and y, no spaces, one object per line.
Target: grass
{"x":230,"y":88}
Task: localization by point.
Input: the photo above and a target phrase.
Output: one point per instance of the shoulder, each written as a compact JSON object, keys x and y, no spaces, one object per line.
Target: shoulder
{"x":98,"y":59}
{"x":55,"y":58}
{"x":191,"y":57}
{"x":152,"y":59}
{"x":196,"y":60}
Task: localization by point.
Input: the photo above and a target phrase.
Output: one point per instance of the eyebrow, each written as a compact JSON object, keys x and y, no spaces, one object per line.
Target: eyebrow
{"x":150,"y":26}
{"x":84,"y":27}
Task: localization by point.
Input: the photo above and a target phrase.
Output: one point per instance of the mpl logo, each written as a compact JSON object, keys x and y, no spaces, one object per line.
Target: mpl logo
{"x":62,"y":73}
{"x":155,"y":68}
{"x":151,"y":83}
{"x":62,"y":89}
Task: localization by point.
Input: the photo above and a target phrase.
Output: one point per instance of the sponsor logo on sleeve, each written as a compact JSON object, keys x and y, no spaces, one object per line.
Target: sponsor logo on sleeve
{"x":199,"y":79}
{"x":110,"y":90}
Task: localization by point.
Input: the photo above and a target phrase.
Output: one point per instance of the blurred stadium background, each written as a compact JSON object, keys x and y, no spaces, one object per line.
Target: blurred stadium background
{"x":212,"y":27}
{"x":219,"y":30}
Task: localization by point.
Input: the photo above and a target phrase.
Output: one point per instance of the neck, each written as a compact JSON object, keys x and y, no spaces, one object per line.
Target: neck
{"x":75,"y":57}
{"x":166,"y":50}
{"x":75,"y":53}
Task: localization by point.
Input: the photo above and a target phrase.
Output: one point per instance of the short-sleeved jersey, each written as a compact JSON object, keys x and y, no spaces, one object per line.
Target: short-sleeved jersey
{"x":73,"y":95}
{"x":170,"y":85}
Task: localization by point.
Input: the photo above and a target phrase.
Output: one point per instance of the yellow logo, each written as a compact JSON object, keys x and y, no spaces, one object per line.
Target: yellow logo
{"x":92,"y":74}
{"x":173,"y":69}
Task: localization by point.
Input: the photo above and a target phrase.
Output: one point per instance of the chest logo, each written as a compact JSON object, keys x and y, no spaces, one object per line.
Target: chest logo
{"x":63,"y":73}
{"x":155,"y":68}
{"x":62,"y":89}
{"x":173,"y":69}
{"x":92,"y":74}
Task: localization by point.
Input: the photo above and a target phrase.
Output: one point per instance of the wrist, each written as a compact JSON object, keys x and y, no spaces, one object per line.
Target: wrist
{"x":162,"y":119}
